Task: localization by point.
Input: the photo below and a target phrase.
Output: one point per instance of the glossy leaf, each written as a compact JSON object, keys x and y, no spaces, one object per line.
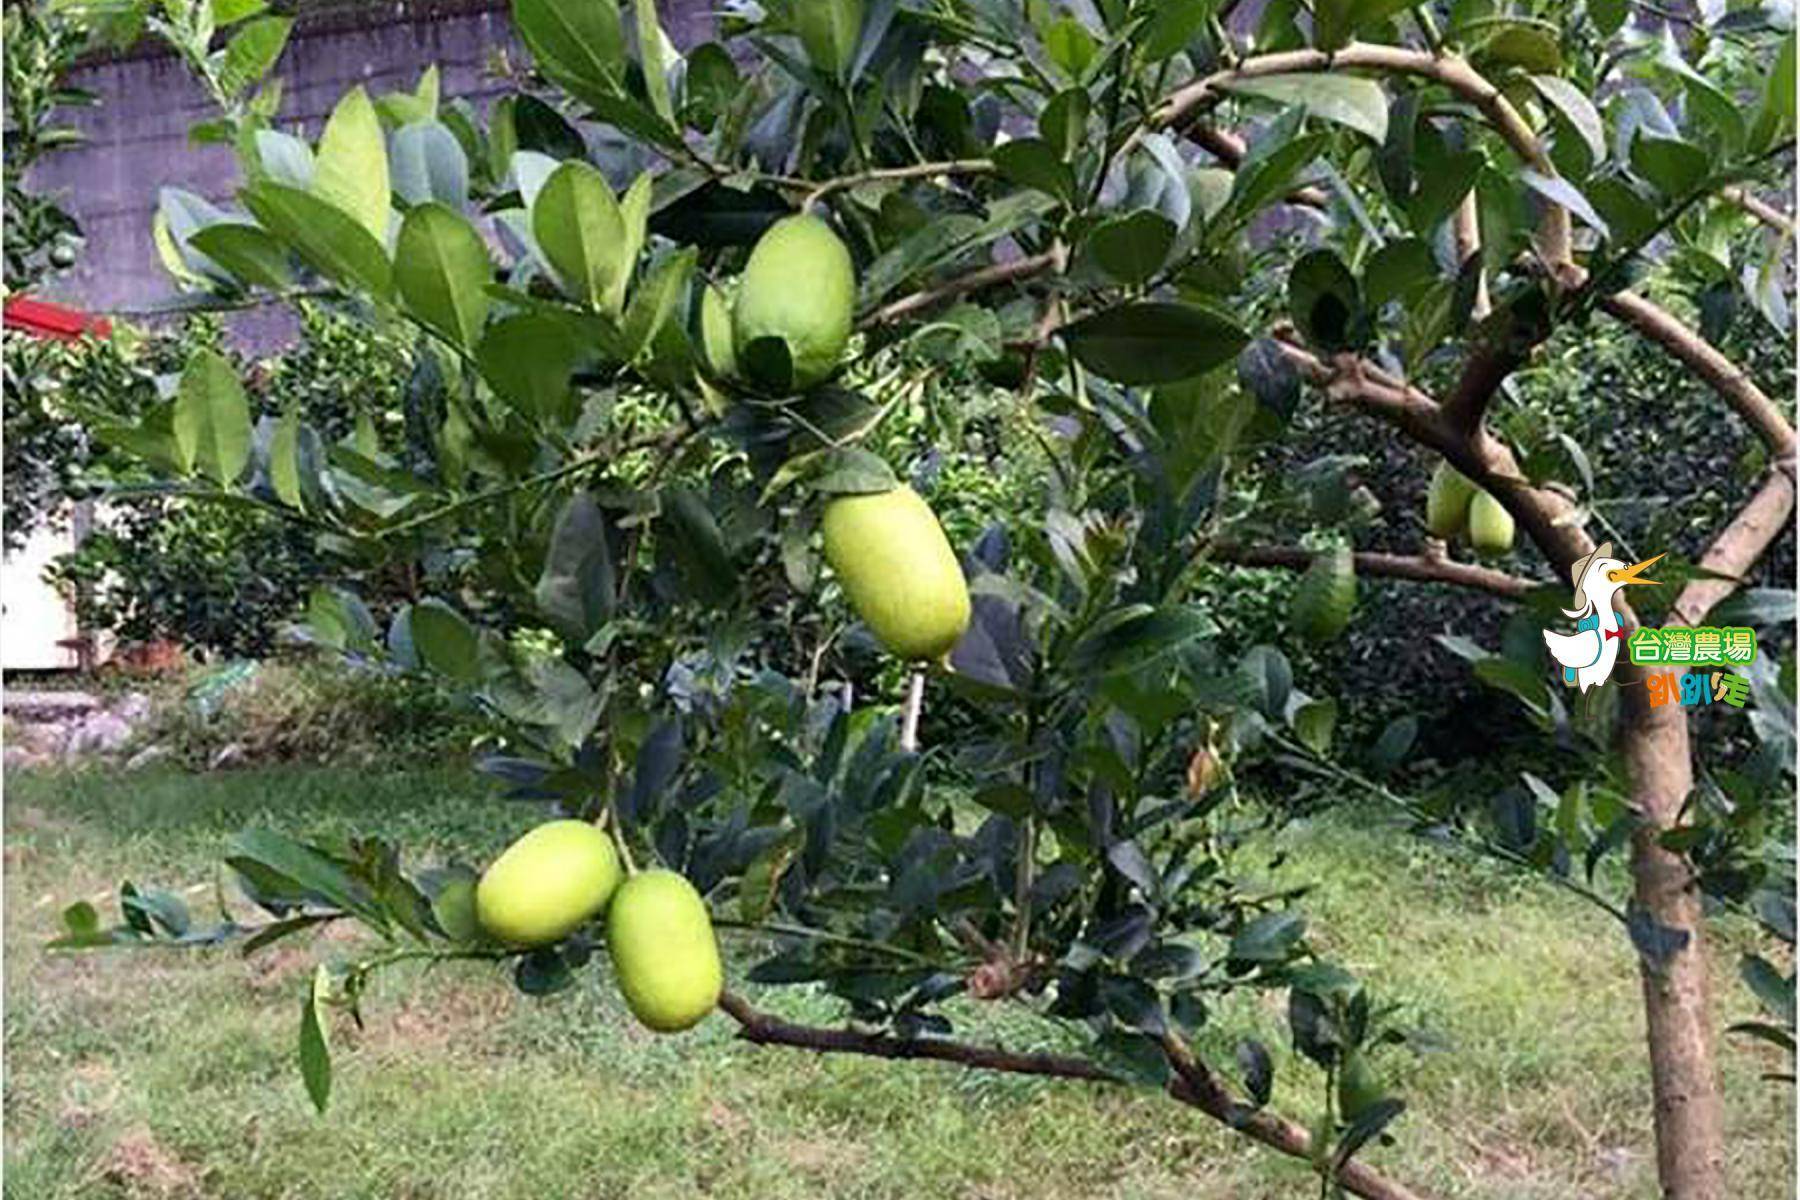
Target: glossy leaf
{"x":441,"y":268}
{"x":1154,"y":342}
{"x":212,"y":418}
{"x":351,"y":168}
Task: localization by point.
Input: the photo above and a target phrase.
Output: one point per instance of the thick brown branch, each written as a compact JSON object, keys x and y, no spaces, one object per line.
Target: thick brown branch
{"x":1193,"y":1083}
{"x":1721,"y":374}
{"x":1421,"y":567}
{"x":1548,"y":517}
{"x":1737,"y":548}
{"x":1449,"y":70}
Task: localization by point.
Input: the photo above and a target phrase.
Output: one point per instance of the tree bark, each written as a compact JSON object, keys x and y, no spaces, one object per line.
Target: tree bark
{"x":1690,"y":1113}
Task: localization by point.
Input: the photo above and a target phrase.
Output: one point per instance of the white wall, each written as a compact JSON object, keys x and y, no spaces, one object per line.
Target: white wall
{"x":33,"y":617}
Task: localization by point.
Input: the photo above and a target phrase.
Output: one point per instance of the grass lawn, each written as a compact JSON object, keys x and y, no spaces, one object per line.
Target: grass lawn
{"x":166,"y":1075}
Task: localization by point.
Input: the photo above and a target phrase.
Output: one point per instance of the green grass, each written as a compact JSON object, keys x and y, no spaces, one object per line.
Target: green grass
{"x":133,"y":1074}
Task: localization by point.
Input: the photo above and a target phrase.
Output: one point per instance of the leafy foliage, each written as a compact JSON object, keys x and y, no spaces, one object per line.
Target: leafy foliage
{"x":607,"y":522}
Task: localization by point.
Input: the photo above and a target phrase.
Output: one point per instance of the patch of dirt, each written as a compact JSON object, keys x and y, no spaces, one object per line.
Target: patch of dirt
{"x":144,"y":1167}
{"x":727,"y":1120}
{"x":821,"y":1156}
{"x":280,"y":966}
{"x":434,"y":1018}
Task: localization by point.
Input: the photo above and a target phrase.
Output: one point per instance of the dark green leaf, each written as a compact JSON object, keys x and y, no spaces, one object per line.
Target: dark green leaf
{"x":576,"y":588}
{"x":331,"y":242}
{"x":1132,"y":248}
{"x":441,"y":268}
{"x":1154,"y":342}
{"x":315,"y":1055}
{"x":445,"y":640}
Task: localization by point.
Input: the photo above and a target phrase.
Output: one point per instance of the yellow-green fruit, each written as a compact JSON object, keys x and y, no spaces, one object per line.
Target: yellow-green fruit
{"x":663,"y":950}
{"x":715,"y":334}
{"x":1358,"y":1088}
{"x":543,"y":886}
{"x":897,"y":567}
{"x":798,"y":286}
{"x":1447,"y":501}
{"x":1490,"y":525}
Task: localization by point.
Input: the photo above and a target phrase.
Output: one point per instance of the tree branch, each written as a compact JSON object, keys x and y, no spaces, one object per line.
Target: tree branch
{"x":1423,"y":568}
{"x":1737,"y":548}
{"x":1449,"y":70}
{"x":1700,"y":356}
{"x":974,"y":281}
{"x":1193,"y":1083}
{"x":1759,"y":208}
{"x":966,"y":166}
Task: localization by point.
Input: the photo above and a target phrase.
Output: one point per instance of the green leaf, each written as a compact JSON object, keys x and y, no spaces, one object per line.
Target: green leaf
{"x":1574,"y":105}
{"x":1034,"y":163}
{"x":1270,"y":938}
{"x":1326,"y":595}
{"x":1403,"y":267}
{"x":1526,"y":44}
{"x":212,"y":418}
{"x":657,"y":297}
{"x":829,"y":30}
{"x":446,"y":641}
{"x":1608,"y":15}
{"x":1314,"y":723}
{"x":1157,"y":342}
{"x":576,"y":587}
{"x":529,"y":358}
{"x":1133,"y":247}
{"x":315,"y":1055}
{"x":430,"y":164}
{"x":650,"y":44}
{"x":1774,"y":990}
{"x":578,"y":226}
{"x":1070,"y":46}
{"x":331,"y":242}
{"x":1558,"y":190}
{"x":1172,"y":25}
{"x":251,"y":254}
{"x":351,"y":167}
{"x":1670,"y":165}
{"x":634,"y":215}
{"x":1063,"y":122}
{"x":251,"y":52}
{"x":851,"y":470}
{"x":1265,"y":177}
{"x":441,"y":268}
{"x":1326,"y":303}
{"x":284,"y":460}
{"x":1349,"y":100}
{"x":578,"y":43}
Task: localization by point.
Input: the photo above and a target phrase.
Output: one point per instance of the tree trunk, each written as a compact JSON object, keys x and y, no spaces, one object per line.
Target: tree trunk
{"x":1690,"y":1117}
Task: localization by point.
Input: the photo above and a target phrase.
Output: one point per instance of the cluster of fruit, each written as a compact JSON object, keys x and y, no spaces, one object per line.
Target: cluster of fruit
{"x":1453,"y":503}
{"x":564,"y":874}
{"x":896,"y":567}
{"x":791,"y":319}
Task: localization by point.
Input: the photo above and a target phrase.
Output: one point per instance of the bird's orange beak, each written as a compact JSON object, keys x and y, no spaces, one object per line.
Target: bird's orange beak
{"x":1629,"y":575}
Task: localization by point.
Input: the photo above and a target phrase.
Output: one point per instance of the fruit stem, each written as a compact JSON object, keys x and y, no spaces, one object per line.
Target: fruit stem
{"x":915,"y":703}
{"x":619,"y":839}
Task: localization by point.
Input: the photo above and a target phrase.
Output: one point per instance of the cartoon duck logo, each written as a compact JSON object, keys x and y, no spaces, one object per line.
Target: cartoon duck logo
{"x":1587,"y":655}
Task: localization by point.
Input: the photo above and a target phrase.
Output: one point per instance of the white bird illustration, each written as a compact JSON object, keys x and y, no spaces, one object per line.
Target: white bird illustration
{"x":1587,"y":655}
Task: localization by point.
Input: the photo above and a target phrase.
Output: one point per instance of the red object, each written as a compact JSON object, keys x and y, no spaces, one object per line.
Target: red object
{"x":43,"y":319}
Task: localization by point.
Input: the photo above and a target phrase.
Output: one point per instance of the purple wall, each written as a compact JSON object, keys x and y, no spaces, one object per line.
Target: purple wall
{"x":137,"y":135}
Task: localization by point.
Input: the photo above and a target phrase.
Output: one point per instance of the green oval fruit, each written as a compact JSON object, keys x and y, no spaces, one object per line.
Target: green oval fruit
{"x":1447,"y":501}
{"x":897,"y":567}
{"x":1325,"y":595}
{"x":1358,"y":1088}
{"x":799,"y":286}
{"x":663,"y":950}
{"x":1490,"y":525}
{"x":543,"y":886}
{"x":715,"y":334}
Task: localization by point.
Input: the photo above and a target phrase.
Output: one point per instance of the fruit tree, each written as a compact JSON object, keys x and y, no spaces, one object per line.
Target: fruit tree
{"x":691,"y":324}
